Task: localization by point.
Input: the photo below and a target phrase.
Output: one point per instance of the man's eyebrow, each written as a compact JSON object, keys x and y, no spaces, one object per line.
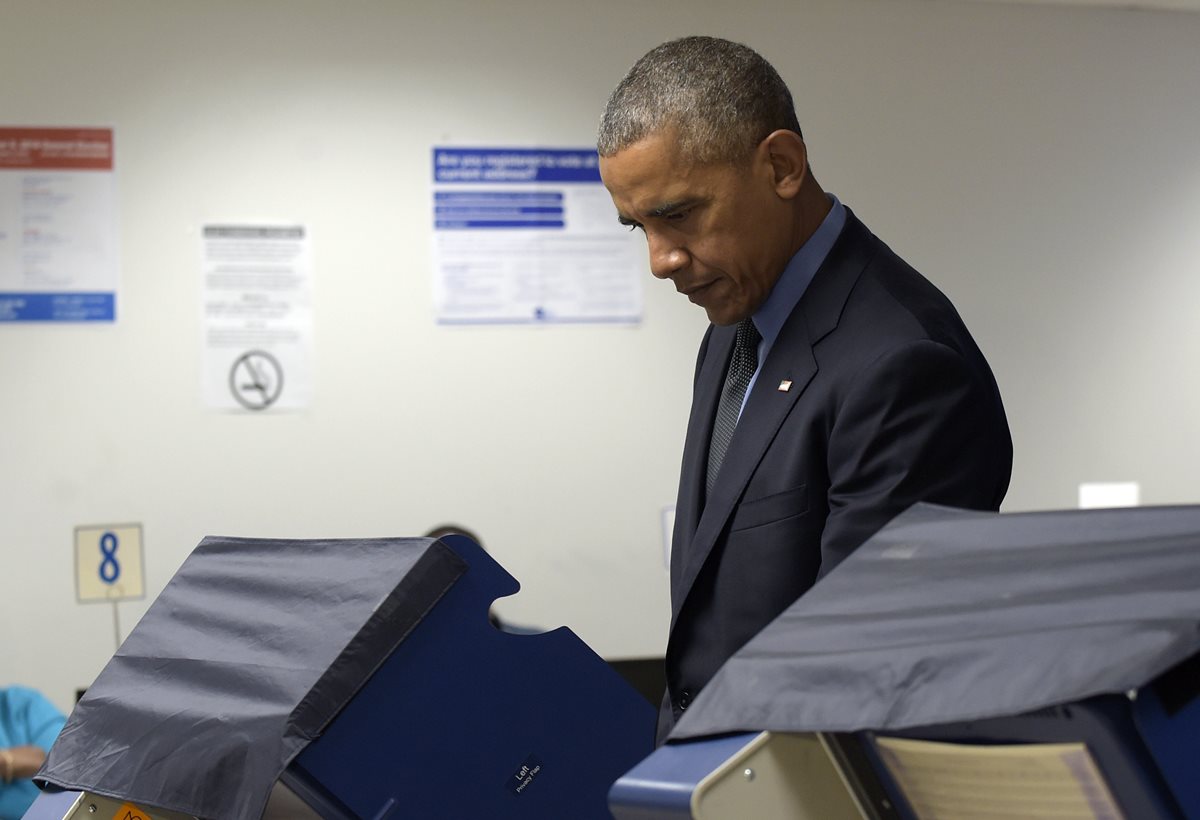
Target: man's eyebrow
{"x":670,"y":207}
{"x":665,"y":209}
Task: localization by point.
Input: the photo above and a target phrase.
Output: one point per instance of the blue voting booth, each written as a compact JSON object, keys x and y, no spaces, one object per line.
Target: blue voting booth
{"x":528,"y":726}
{"x":960,"y":665}
{"x":365,"y":674}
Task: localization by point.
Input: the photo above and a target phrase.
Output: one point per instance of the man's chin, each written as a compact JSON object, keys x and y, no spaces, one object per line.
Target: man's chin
{"x":724,"y":315}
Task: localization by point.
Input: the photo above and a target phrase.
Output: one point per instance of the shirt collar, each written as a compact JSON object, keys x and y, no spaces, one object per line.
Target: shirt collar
{"x":796,"y":277}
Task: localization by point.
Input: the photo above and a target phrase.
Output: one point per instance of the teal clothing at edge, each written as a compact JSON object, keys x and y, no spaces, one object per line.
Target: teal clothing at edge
{"x":26,"y":719}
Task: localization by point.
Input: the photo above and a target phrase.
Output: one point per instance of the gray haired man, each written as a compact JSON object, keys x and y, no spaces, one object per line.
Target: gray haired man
{"x":834,"y":387}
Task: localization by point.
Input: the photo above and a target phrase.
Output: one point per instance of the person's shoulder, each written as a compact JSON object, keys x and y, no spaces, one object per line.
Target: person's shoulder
{"x":24,"y":699}
{"x":894,"y":299}
{"x":892,"y":307}
{"x":885,"y":269}
{"x":12,"y":696}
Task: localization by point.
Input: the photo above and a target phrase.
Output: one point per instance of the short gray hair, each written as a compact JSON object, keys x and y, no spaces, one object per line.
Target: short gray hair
{"x":722,"y":97}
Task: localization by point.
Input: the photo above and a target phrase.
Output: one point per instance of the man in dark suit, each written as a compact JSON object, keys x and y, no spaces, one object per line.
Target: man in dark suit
{"x":835,"y":386}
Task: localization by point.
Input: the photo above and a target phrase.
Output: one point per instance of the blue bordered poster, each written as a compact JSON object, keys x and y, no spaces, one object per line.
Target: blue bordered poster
{"x":58,"y":225}
{"x":529,"y":235}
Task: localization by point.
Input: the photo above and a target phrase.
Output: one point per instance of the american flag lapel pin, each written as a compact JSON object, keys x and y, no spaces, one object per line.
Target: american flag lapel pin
{"x":785,"y":385}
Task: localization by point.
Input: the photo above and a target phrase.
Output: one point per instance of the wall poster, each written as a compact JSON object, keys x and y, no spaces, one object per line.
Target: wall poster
{"x":58,"y":225}
{"x":528,"y":235}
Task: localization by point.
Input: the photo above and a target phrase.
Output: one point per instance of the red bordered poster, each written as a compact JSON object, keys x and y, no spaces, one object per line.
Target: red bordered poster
{"x":58,"y":225}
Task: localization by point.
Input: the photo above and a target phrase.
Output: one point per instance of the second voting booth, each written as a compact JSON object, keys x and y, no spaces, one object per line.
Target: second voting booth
{"x":960,"y":665}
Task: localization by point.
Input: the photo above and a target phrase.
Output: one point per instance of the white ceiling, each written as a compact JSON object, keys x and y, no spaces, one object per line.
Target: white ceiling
{"x":1177,"y":5}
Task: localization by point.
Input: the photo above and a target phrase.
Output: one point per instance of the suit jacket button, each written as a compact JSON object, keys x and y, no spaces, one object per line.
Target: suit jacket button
{"x":685,"y":698}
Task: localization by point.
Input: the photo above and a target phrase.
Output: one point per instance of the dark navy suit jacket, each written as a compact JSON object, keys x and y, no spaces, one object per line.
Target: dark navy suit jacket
{"x":890,"y":402}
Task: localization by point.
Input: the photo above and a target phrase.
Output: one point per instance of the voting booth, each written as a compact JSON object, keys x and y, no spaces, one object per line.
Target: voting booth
{"x":960,"y":665}
{"x":365,"y":674}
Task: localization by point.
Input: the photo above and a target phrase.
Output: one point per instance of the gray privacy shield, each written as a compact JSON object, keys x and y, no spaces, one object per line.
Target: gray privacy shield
{"x":247,"y":654}
{"x":948,"y":615}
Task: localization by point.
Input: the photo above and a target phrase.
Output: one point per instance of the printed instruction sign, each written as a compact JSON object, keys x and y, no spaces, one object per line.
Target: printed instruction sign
{"x":58,"y":225}
{"x":529,"y":235}
{"x":108,"y":562}
{"x":257,"y":317}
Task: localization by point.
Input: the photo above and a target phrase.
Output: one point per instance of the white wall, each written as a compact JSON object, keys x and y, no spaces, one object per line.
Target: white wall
{"x":1039,"y":164}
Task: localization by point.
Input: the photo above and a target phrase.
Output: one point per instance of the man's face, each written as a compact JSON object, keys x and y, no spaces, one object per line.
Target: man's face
{"x":719,"y":232}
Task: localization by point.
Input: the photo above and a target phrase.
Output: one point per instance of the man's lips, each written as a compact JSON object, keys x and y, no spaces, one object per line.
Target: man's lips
{"x":692,"y":292}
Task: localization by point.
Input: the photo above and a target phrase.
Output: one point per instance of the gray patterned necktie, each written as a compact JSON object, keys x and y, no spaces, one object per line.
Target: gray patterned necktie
{"x":742,"y":365}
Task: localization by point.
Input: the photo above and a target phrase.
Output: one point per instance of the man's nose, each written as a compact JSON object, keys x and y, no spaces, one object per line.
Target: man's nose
{"x":666,"y":256}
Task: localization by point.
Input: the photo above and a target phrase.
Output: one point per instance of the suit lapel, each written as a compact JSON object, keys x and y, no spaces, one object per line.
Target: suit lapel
{"x":706,"y":394}
{"x":790,"y":359}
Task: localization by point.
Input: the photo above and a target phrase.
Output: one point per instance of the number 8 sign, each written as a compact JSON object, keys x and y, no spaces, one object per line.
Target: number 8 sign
{"x":108,"y":562}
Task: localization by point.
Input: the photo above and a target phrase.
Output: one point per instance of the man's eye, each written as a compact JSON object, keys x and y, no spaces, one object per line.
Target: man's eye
{"x":677,"y":216}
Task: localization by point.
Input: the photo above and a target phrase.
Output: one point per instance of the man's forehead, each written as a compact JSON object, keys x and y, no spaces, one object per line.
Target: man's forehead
{"x":648,"y":180}
{"x":655,"y":197}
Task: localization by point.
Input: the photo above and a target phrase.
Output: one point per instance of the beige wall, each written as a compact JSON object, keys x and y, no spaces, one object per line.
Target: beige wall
{"x":1038,"y":163}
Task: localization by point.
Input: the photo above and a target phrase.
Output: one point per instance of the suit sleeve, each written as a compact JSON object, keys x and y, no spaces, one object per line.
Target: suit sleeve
{"x":918,"y":424}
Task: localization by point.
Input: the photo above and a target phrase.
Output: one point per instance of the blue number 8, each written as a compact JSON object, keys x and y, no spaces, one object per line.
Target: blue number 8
{"x":110,"y":570}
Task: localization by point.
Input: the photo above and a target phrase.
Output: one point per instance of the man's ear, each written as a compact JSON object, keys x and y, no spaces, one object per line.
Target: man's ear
{"x":789,"y":161}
